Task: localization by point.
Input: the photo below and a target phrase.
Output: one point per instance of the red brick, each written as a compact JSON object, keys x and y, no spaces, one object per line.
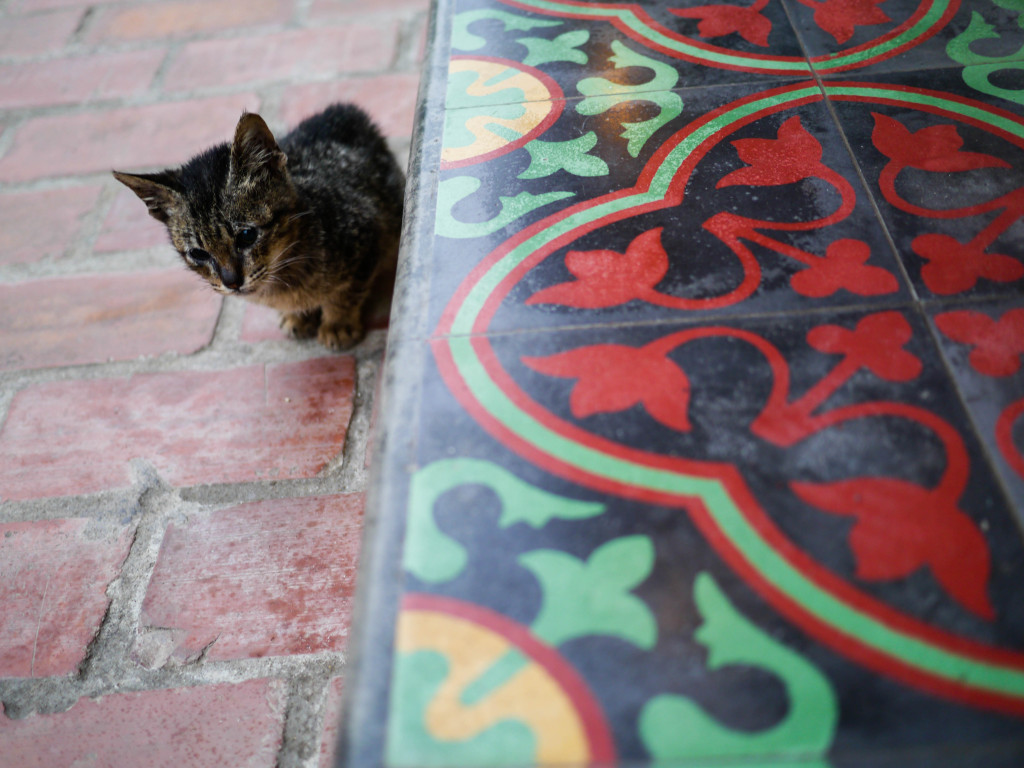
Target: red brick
{"x":33,"y":6}
{"x":389,"y":99}
{"x":421,"y":44}
{"x":269,"y":578}
{"x":261,"y":421}
{"x":78,"y":80}
{"x":126,"y":139}
{"x":129,"y":226}
{"x":38,"y":225}
{"x":205,"y":727}
{"x":53,"y":580}
{"x":173,"y":19}
{"x":35,"y":35}
{"x":285,"y":56}
{"x":95,"y":318}
{"x":340,"y":10}
{"x":332,"y":722}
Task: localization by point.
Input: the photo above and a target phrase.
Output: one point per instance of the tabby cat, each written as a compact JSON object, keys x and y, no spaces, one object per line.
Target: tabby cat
{"x":303,"y":226}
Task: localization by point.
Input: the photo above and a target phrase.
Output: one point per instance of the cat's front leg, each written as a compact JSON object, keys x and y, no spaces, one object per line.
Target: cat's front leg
{"x":301,"y":325}
{"x":342,"y":325}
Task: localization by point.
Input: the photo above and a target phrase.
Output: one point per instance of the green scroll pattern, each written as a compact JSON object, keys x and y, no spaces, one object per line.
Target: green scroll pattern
{"x":452,"y":191}
{"x":602,"y":95}
{"x":978,"y":69}
{"x":434,"y":557}
{"x":464,"y":40}
{"x":675,"y":728}
{"x":565,"y":47}
{"x":572,"y":156}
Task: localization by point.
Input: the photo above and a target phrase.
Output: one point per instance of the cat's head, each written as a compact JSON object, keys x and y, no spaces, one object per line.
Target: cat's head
{"x":229,"y":210}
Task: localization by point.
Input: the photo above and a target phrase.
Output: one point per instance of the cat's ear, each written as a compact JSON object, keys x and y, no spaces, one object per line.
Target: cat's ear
{"x":254,"y":149}
{"x":161,"y":192}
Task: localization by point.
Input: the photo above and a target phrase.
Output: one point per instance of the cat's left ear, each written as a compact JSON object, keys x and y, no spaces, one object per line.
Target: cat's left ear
{"x":254,"y":149}
{"x":161,"y":192}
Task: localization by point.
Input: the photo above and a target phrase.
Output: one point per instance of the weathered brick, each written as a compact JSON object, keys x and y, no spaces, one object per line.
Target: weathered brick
{"x":129,"y":226}
{"x":204,"y":727}
{"x":263,"y":579}
{"x":53,"y":580}
{"x":260,"y":421}
{"x":173,"y":19}
{"x":332,"y":722}
{"x":421,"y":44}
{"x":95,"y":318}
{"x":389,"y":99}
{"x":340,"y":10}
{"x":78,"y":80}
{"x":37,"y":225}
{"x":39,"y":34}
{"x":34,"y":6}
{"x":126,"y":139}
{"x":284,"y":56}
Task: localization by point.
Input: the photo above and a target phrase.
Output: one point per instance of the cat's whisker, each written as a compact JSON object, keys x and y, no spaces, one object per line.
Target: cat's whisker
{"x":276,"y":279}
{"x":280,"y":265}
{"x":285,"y":250}
{"x":278,"y":269}
{"x":295,"y":216}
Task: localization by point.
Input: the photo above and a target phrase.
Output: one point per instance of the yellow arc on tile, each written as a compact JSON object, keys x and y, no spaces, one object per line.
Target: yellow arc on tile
{"x":532,"y":696}
{"x":494,"y":77}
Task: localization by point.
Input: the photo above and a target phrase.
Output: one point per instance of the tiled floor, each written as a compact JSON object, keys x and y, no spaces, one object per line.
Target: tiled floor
{"x":704,"y":439}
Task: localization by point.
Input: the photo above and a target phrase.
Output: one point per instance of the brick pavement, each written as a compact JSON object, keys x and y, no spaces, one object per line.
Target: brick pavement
{"x":180,"y":486}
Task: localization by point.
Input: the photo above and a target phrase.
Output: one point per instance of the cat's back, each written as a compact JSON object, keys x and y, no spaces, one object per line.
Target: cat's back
{"x":341,"y":135}
{"x":344,"y":171}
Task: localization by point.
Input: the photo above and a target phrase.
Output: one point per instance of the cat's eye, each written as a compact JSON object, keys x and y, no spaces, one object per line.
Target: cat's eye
{"x":246,"y":236}
{"x":199,"y":256}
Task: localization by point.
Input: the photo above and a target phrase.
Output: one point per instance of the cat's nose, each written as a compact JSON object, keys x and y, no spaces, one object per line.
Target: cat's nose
{"x":231,"y":279}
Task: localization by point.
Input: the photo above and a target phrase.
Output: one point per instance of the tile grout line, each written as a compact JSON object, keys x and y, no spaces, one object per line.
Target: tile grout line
{"x":869,"y":191}
{"x":992,"y":461}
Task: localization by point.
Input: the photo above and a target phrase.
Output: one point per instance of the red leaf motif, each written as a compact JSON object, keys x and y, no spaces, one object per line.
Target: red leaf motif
{"x":876,"y":344}
{"x":612,"y":378}
{"x":793,"y":156}
{"x":843,"y":266}
{"x":718,"y":20}
{"x":935,"y":148}
{"x":901,"y":527}
{"x":609,"y":278}
{"x":954,"y":267}
{"x":998,"y":344}
{"x":840,"y":17}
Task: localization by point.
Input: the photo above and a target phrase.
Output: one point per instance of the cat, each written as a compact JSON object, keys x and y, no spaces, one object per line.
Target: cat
{"x":304,"y":226}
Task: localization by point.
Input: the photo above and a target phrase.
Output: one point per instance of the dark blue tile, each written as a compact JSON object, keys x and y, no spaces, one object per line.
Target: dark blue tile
{"x":519,"y":509}
{"x":703,"y":442}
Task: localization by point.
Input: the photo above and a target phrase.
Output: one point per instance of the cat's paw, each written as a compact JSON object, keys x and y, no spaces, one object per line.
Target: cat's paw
{"x":339,"y":337}
{"x":300,"y":325}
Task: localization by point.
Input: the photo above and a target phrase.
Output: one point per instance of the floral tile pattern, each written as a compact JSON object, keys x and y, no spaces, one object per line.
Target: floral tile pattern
{"x":705,"y":435}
